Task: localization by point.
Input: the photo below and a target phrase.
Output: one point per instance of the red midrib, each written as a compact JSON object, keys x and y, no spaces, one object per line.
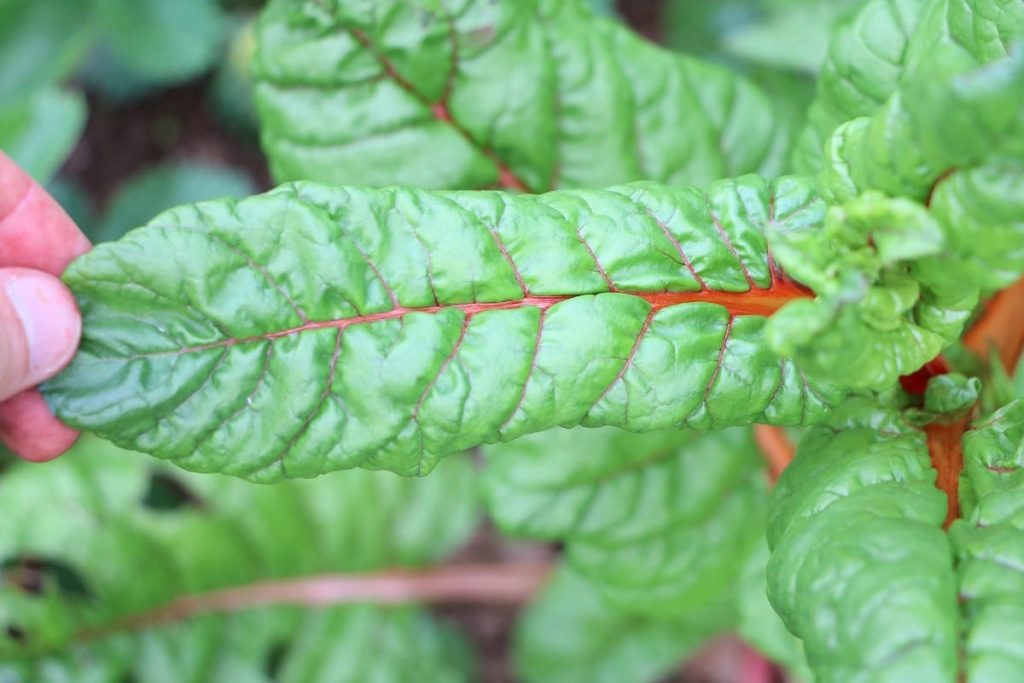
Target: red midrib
{"x":758,"y":301}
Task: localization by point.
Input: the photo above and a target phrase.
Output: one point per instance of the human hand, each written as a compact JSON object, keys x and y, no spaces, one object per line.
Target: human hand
{"x":39,"y":321}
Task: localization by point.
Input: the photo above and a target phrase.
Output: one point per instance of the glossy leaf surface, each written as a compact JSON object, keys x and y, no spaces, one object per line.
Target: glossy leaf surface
{"x":533,"y":94}
{"x":313,"y":329}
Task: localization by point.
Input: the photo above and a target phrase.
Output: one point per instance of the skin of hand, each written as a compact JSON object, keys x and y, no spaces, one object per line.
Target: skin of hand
{"x":39,"y":321}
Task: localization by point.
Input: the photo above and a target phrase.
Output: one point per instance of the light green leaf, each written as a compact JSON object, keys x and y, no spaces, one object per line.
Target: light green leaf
{"x":100,"y":535}
{"x":865,"y":62}
{"x":537,"y":94}
{"x":861,"y":569}
{"x":163,"y":187}
{"x":570,"y":635}
{"x":278,"y":645}
{"x":316,"y":328}
{"x":40,"y":131}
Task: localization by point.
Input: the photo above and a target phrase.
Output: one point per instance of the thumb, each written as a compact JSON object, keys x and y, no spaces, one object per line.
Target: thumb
{"x":39,"y":328}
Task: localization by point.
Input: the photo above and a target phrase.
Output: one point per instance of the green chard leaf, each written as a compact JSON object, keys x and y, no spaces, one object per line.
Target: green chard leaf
{"x":988,"y":543}
{"x":861,"y":569}
{"x":570,"y":635}
{"x":531,"y":95}
{"x":351,"y":644}
{"x":72,"y":574}
{"x":315,"y":328}
{"x":927,"y":212}
{"x":659,"y":523}
{"x":865,"y":62}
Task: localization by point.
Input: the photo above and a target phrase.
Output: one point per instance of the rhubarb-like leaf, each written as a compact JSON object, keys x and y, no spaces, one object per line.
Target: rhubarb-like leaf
{"x":283,"y":645}
{"x":80,"y":532}
{"x":533,"y":95}
{"x":660,"y":522}
{"x":569,"y":635}
{"x":861,"y":569}
{"x":989,"y":542}
{"x":314,"y":328}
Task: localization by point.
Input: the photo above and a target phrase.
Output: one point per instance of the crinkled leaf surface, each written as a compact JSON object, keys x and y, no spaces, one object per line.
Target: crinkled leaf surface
{"x":659,"y":523}
{"x":861,"y":569}
{"x":533,"y":94}
{"x":570,"y":635}
{"x":352,"y":644}
{"x":927,"y":212}
{"x":989,"y":545}
{"x":865,"y":62}
{"x":123,"y":534}
{"x":315,"y":328}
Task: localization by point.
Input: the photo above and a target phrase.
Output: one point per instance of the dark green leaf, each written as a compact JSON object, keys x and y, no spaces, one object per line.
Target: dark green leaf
{"x":164,"y":187}
{"x":164,"y":41}
{"x":41,"y":41}
{"x":40,"y":131}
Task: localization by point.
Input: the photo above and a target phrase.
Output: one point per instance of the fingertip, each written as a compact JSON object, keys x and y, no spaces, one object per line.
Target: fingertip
{"x":30,"y":430}
{"x":35,"y":231}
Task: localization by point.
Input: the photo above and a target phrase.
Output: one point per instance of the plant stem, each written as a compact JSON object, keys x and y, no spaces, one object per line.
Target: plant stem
{"x":489,"y":584}
{"x":776,"y":447}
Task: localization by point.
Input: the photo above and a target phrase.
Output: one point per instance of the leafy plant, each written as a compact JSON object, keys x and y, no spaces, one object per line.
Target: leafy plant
{"x":853,"y":281}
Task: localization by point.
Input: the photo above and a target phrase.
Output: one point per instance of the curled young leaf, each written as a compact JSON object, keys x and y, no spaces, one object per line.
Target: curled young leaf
{"x":314,"y":328}
{"x":532,"y":95}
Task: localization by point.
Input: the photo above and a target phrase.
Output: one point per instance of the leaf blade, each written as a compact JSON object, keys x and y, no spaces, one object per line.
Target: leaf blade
{"x":384,"y":349}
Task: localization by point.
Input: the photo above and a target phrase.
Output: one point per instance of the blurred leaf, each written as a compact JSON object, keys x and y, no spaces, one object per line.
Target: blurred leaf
{"x":569,"y":635}
{"x":793,"y":37}
{"x":163,"y":187}
{"x":350,"y":644}
{"x":232,"y":90}
{"x":164,"y":41}
{"x":605,"y":8}
{"x":39,"y":132}
{"x":698,"y":27}
{"x":74,"y":200}
{"x":41,"y":41}
{"x":659,"y":522}
{"x":101,"y":535}
{"x":760,"y":626}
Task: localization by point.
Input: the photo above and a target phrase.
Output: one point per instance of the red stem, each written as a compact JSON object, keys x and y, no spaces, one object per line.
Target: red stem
{"x":509,"y":584}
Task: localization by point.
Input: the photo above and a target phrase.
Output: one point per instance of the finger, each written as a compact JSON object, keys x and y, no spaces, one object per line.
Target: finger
{"x":35,"y":232}
{"x":29,"y":429}
{"x":39,"y":328}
